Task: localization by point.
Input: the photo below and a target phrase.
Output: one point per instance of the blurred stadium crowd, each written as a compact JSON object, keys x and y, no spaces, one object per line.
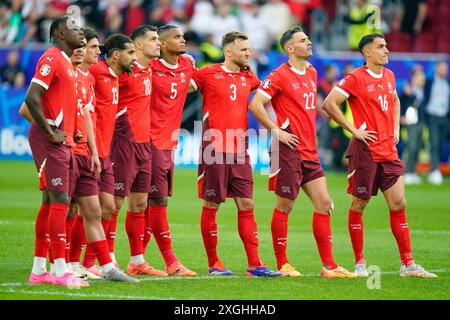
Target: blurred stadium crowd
{"x":412,"y":22}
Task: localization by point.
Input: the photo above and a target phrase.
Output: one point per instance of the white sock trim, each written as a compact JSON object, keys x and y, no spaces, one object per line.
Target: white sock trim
{"x":39,"y":265}
{"x":139,"y":259}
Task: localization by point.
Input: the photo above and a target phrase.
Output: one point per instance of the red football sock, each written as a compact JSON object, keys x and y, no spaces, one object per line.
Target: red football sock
{"x":248,"y":231}
{"x":101,"y":251}
{"x":356,"y":230}
{"x":279,"y":228}
{"x":161,"y":232}
{"x":322,"y":234}
{"x":69,"y":224}
{"x":89,"y":256}
{"x":135,"y":228}
{"x":148,"y":228}
{"x":77,"y":240}
{"x":112,"y":227}
{"x":57,"y":229}
{"x":50,"y":255}
{"x":400,"y":229}
{"x":42,"y":240}
{"x":209,"y":233}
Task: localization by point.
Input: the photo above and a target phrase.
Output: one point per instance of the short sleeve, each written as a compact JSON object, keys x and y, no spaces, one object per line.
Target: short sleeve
{"x":271,"y":85}
{"x":255,"y":82}
{"x":347,"y":86}
{"x":46,"y":71}
{"x":197,"y":79}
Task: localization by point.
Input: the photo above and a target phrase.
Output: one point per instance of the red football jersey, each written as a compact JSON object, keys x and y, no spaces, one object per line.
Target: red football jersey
{"x":106,"y":88}
{"x":371,"y":99}
{"x":133,"y":113}
{"x":225,"y":104}
{"x":85,"y":102}
{"x":170,"y":85}
{"x":294,"y":99}
{"x":56,"y":74}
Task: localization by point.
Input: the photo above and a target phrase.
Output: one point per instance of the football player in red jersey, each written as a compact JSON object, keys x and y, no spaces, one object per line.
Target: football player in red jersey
{"x":51,"y":102}
{"x":373,"y":158}
{"x":225,"y":169}
{"x":120,"y":57}
{"x":171,"y":75}
{"x":87,"y":170}
{"x":131,"y":151}
{"x":292,"y":89}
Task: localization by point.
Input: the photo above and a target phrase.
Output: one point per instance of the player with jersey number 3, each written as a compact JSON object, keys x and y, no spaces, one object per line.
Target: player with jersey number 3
{"x":373,"y":158}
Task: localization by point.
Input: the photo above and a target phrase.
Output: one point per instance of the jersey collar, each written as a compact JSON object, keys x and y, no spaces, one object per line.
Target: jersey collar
{"x":140,"y":66}
{"x":373,"y":74}
{"x":168,"y":65}
{"x":66,"y":56}
{"x":295,"y":70}
{"x":112,"y":72}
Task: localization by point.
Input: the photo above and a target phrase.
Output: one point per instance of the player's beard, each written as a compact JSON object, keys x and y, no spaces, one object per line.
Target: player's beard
{"x":127,"y":68}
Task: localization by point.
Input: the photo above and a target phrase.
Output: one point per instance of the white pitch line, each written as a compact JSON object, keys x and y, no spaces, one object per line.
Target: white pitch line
{"x":112,"y":296}
{"x":75,"y":294}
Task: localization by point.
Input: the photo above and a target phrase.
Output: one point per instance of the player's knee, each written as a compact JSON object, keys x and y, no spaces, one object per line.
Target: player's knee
{"x":286,"y":207}
{"x":108,"y":209}
{"x":359,"y":205}
{"x":138,"y":206}
{"x":247,"y":205}
{"x":398,"y":204}
{"x":73,"y":209}
{"x":158,"y":202}
{"x":326,"y":206}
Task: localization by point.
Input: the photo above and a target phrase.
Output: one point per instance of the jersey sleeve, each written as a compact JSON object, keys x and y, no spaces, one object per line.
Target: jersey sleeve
{"x":271,"y":85}
{"x":347,"y":86}
{"x":197,"y":79}
{"x":46,"y":71}
{"x":255,"y":82}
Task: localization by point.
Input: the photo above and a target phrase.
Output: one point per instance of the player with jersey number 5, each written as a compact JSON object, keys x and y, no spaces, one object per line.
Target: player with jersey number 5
{"x":373,"y":158}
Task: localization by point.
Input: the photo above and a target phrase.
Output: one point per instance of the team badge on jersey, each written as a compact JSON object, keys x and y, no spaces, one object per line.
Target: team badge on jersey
{"x":45,"y":70}
{"x":266,"y":84}
{"x":219,"y":75}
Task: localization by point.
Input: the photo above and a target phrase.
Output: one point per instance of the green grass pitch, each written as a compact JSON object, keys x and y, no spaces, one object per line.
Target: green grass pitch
{"x":428,"y":217}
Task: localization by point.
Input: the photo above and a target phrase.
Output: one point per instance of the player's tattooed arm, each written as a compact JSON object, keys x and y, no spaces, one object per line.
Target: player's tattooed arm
{"x":257,"y":108}
{"x":24,"y":112}
{"x":331,"y":106}
{"x":33,"y":101}
{"x":396,"y":118}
